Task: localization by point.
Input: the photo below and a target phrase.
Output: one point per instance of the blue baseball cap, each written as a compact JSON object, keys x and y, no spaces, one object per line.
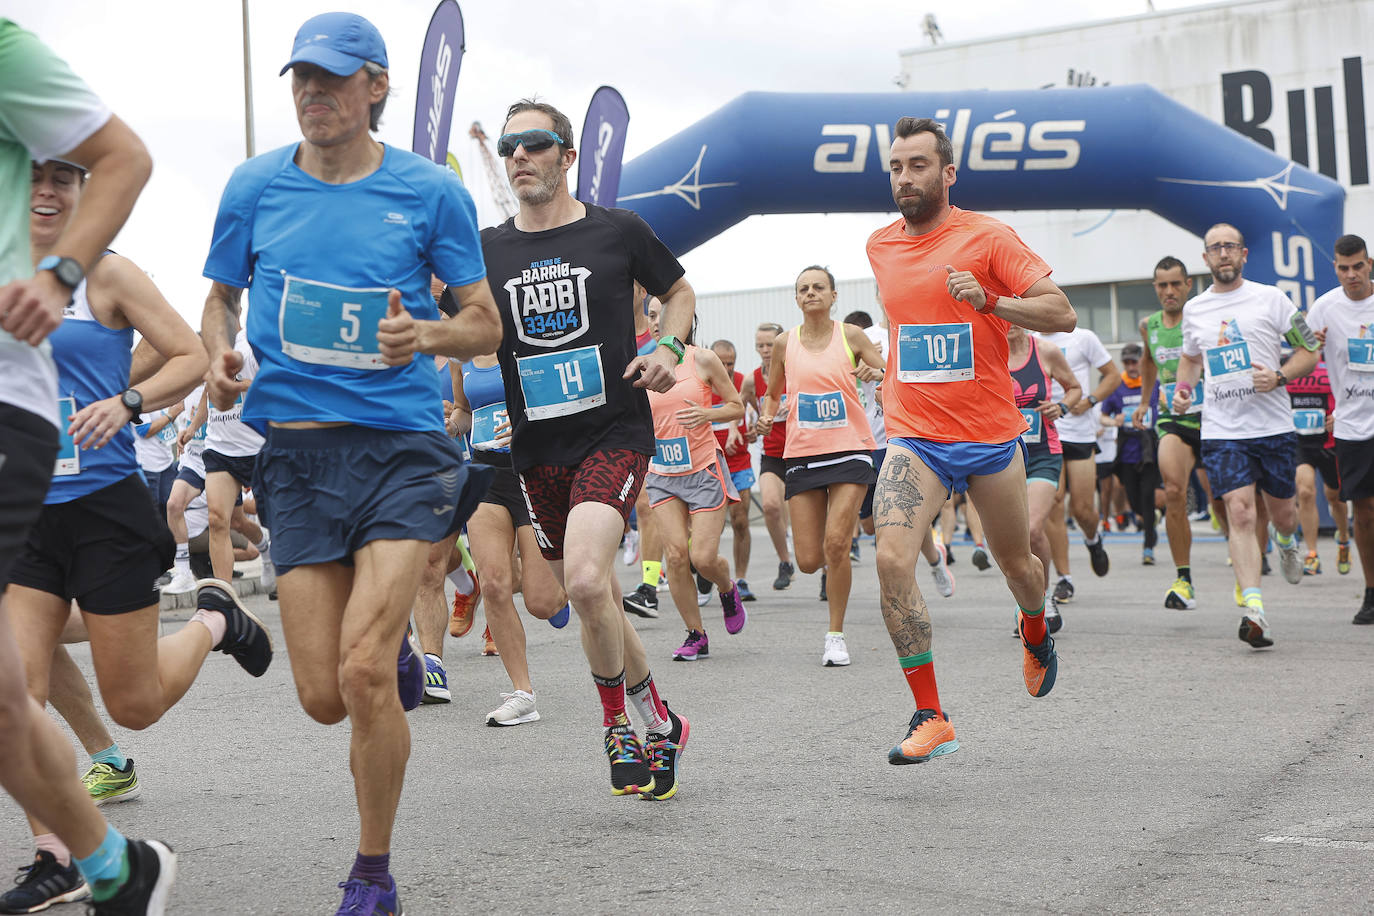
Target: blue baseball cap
{"x":337,"y":42}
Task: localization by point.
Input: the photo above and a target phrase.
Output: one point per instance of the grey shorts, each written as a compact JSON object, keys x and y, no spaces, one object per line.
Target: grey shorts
{"x":703,"y":491}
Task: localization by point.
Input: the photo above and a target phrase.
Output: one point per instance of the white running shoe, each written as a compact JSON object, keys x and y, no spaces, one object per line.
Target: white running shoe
{"x":630,"y":556}
{"x":704,"y":599}
{"x":517,"y":709}
{"x":944,"y":579}
{"x":183,"y":582}
{"x":836,"y":654}
{"x":268,"y":577}
{"x":1289,"y":559}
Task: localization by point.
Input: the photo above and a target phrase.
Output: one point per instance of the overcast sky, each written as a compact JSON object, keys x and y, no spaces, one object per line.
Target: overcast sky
{"x":173,"y":69}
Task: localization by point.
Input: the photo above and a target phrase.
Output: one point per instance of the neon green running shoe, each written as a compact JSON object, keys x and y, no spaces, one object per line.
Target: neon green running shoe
{"x":108,"y":783}
{"x":1180,"y":596}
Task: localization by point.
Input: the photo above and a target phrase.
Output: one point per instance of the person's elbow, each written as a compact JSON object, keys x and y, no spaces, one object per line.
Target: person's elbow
{"x":1065,"y":317}
{"x":488,"y":330}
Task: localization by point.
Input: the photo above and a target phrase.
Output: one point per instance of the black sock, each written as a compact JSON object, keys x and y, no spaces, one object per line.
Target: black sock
{"x":1186,"y":574}
{"x":1369,"y":596}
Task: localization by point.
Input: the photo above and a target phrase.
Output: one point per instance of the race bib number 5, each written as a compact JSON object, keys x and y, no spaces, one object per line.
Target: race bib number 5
{"x":562,"y":383}
{"x":484,"y":423}
{"x":934,"y":352}
{"x":331,"y":325}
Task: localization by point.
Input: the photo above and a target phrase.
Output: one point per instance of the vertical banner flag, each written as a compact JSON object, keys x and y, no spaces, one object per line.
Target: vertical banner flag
{"x":603,"y":148}
{"x":439,"y":63}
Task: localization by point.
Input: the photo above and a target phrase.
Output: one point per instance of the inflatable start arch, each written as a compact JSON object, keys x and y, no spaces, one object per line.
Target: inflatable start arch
{"x":1127,"y":147}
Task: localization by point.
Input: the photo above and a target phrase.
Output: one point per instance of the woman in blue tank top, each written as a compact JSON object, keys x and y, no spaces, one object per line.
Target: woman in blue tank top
{"x":99,"y":541}
{"x":500,"y":525}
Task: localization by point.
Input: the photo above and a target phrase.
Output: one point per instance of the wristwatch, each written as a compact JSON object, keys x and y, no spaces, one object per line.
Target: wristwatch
{"x":672,"y":343}
{"x":1092,"y":401}
{"x":1279,"y":378}
{"x":134,"y":401}
{"x":67,"y":270}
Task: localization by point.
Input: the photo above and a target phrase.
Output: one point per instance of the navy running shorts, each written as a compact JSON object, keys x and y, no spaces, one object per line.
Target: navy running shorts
{"x":325,"y":493}
{"x":1270,"y":461}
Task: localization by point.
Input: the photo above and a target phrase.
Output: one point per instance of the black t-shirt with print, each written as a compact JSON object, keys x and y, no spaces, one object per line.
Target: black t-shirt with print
{"x":566,"y":299}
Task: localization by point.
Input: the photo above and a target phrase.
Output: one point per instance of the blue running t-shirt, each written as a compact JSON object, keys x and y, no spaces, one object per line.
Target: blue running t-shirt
{"x":318,"y":259}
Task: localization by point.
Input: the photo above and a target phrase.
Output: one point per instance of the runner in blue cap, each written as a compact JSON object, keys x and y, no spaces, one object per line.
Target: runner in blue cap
{"x":335,"y":239}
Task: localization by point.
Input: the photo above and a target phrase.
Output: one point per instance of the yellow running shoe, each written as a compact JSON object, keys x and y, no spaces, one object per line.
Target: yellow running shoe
{"x":107,"y":783}
{"x":1240,"y":600}
{"x":1343,"y":557}
{"x":1180,"y":596}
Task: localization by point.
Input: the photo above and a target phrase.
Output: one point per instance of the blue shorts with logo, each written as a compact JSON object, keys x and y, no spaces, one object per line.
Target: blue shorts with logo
{"x":743,"y":479}
{"x":325,"y":493}
{"x":1270,"y":461}
{"x":955,"y":462}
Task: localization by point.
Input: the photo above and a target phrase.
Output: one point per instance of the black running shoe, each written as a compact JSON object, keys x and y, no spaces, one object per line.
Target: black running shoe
{"x":823,"y":596}
{"x":949,"y":555}
{"x":642,"y":602}
{"x":630,"y":773}
{"x":853,"y":550}
{"x":784,"y":579}
{"x":703,"y":583}
{"x":152,"y":869}
{"x":1365,"y":616}
{"x":245,"y":638}
{"x":1098,"y":553}
{"x":44,"y":883}
{"x":664,"y":752}
{"x":744,"y":593}
{"x":1054,"y":621}
{"x":1265,"y":568}
{"x":1063,"y":591}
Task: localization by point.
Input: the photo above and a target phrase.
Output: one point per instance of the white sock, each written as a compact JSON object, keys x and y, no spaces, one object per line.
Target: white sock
{"x":182,"y":563}
{"x":1088,"y":543}
{"x":461,"y":581}
{"x":265,"y":547}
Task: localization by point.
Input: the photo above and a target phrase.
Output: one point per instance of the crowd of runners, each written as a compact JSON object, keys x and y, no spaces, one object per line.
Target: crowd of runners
{"x":522,"y":409}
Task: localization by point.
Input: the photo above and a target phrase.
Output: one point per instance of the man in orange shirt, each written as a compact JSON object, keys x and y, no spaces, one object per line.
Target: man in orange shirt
{"x":952,"y":282}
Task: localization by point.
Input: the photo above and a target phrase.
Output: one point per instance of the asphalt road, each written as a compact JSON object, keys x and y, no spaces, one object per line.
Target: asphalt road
{"x":1172,"y":769}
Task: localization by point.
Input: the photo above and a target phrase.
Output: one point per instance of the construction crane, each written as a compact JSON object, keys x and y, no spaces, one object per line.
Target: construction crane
{"x":496,"y":176}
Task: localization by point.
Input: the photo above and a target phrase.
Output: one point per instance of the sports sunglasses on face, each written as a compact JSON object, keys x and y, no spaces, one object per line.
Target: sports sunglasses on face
{"x":532,"y":140}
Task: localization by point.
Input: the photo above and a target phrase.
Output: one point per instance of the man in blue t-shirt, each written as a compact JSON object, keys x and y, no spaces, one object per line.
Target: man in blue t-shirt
{"x":336,"y":238}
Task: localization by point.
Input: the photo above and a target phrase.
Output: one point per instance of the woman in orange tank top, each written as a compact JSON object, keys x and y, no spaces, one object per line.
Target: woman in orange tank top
{"x":829,"y":445}
{"x":689,"y":488}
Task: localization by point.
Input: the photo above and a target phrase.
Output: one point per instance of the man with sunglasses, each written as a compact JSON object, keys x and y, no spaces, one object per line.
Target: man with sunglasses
{"x":1234,"y":331}
{"x":582,"y":432}
{"x":336,"y":238}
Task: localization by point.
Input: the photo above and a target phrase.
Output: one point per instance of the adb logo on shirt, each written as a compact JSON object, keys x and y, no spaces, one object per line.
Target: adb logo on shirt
{"x":549,"y":302}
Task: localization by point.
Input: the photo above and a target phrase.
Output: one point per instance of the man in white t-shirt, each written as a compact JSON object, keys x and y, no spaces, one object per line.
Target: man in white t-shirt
{"x":1235,"y":329}
{"x":1343,"y":320}
{"x":1078,"y":428}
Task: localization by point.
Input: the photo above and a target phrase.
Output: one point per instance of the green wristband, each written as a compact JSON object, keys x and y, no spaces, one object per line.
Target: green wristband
{"x":672,"y":343}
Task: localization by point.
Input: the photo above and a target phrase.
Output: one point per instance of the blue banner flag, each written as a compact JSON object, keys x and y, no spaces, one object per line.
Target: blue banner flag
{"x":603,"y":148}
{"x":439,"y":63}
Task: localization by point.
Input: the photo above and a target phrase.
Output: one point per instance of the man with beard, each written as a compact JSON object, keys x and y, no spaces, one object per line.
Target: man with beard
{"x":952,"y":282}
{"x":582,"y":429}
{"x":1344,"y":318}
{"x":1180,"y":435}
{"x":1237,"y":328}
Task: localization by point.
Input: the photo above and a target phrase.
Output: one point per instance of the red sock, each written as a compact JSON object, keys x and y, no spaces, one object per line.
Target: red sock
{"x":1033,"y":625}
{"x":612,"y":690}
{"x":920,"y":677}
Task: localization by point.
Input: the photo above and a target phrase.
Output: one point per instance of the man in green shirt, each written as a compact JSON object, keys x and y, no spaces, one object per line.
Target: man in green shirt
{"x":1180,"y":436}
{"x":47,"y":112}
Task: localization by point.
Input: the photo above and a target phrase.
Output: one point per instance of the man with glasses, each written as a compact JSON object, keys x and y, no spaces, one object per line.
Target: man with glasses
{"x":1344,"y":322}
{"x":336,"y":238}
{"x":582,"y":431}
{"x":1180,"y":435}
{"x":1233,"y":332}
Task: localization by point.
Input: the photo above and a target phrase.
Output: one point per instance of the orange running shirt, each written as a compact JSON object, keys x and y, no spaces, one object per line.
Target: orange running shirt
{"x":678,"y":450}
{"x":826,"y":415}
{"x":947,"y":377}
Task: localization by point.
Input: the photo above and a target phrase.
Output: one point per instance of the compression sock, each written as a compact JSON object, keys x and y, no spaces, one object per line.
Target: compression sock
{"x":112,"y":755}
{"x":651,"y":709}
{"x":106,"y":869}
{"x":1034,"y":626}
{"x":1186,"y":574}
{"x":612,"y":691}
{"x":48,"y":842}
{"x":920,"y":677}
{"x":372,"y":869}
{"x":652,"y":570}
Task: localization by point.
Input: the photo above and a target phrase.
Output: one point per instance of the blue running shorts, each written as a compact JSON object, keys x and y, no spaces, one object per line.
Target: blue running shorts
{"x":1270,"y":461}
{"x":955,"y":462}
{"x":324,"y":493}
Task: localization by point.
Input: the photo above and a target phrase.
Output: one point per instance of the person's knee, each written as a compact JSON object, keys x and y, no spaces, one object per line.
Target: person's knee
{"x":894,"y":558}
{"x":498,"y":583}
{"x":836,"y":547}
{"x":321,"y":702}
{"x":808,"y":561}
{"x":364,"y":682}
{"x":586,"y":586}
{"x":1021,"y":566}
{"x":133,"y":711}
{"x":675,"y":553}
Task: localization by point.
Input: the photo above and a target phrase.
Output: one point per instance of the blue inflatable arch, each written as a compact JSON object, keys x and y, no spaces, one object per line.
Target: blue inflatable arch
{"x":1127,"y":147}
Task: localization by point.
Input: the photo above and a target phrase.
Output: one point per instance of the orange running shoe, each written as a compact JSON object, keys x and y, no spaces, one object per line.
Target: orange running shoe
{"x":489,"y":648}
{"x":930,"y":735}
{"x":465,"y":609}
{"x":1040,"y":664}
